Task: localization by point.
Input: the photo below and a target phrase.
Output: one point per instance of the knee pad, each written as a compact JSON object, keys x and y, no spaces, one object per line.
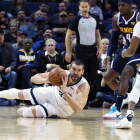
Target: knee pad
{"x":27,"y":113}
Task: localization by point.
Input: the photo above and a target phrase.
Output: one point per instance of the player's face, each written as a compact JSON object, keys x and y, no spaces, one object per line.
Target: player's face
{"x":84,"y":8}
{"x":76,"y":71}
{"x":124,"y":8}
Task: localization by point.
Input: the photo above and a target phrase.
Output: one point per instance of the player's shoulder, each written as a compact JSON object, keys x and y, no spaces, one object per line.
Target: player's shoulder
{"x":137,"y":25}
{"x":116,"y":16}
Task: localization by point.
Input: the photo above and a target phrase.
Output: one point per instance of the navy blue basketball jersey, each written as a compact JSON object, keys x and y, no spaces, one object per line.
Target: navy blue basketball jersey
{"x":126,"y":27}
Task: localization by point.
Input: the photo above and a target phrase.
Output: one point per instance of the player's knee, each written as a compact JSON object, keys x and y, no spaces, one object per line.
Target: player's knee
{"x":27,"y":113}
{"x":107,"y":78}
{"x":126,"y":74}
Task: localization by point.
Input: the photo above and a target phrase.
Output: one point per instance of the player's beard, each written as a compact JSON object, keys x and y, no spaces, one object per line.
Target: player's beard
{"x":75,"y":78}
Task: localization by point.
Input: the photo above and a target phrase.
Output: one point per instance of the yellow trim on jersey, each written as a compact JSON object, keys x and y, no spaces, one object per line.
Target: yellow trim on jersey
{"x":126,"y":30}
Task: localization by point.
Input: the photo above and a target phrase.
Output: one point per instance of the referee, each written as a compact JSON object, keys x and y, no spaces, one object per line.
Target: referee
{"x":88,"y":35}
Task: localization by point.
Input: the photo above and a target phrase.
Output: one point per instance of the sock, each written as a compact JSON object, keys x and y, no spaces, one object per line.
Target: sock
{"x":119,"y":102}
{"x":129,"y":115}
{"x":9,"y":94}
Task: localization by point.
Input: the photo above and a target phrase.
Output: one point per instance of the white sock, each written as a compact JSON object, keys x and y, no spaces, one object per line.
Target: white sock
{"x":129,"y":112}
{"x":27,"y":113}
{"x":9,"y":94}
{"x":20,"y":110}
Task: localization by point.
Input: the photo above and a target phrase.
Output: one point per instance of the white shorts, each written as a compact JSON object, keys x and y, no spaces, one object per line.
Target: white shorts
{"x":45,"y":97}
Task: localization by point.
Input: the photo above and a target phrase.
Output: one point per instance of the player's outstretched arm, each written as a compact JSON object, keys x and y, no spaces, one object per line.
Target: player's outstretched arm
{"x":40,"y":78}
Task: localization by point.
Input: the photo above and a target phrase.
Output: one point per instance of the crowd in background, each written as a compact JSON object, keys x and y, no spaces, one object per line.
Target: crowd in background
{"x":33,"y":42}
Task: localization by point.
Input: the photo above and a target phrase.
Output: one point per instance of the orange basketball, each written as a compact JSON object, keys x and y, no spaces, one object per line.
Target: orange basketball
{"x":55,"y":76}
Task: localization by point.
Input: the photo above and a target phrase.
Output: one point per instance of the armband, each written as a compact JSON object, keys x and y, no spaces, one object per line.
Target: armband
{"x":113,"y":44}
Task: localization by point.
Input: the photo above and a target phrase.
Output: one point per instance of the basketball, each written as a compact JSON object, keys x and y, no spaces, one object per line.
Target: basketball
{"x":55,"y":76}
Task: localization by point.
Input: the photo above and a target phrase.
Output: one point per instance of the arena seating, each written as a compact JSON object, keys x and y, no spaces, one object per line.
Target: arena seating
{"x":35,"y":6}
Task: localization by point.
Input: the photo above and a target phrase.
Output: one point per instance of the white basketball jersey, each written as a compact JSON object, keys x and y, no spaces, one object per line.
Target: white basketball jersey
{"x":72,"y":91}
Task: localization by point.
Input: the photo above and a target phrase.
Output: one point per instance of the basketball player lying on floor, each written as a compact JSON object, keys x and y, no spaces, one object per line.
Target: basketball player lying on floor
{"x":53,"y":101}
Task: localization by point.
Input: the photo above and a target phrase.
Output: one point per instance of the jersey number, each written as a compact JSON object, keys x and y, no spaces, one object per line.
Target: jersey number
{"x":128,"y":37}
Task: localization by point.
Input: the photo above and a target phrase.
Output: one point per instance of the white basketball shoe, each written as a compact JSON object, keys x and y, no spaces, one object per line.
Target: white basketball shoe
{"x":126,"y":122}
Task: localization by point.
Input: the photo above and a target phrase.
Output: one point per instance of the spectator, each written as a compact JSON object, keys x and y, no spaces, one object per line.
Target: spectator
{"x":7,"y":62}
{"x":50,"y":58}
{"x":60,"y":29}
{"x":19,"y":5}
{"x":108,"y":10}
{"x":45,"y":14}
{"x":24,"y":26}
{"x":121,"y":44}
{"x":37,"y":14}
{"x":61,"y":8}
{"x":109,"y":26}
{"x":43,"y":6}
{"x":27,"y":63}
{"x":134,"y":7}
{"x":19,"y":44}
{"x":67,"y":4}
{"x":71,"y":15}
{"x":4,"y":23}
{"x":2,"y":12}
{"x":94,"y":9}
{"x":12,"y":32}
{"x":41,"y":42}
{"x":105,"y":43}
{"x":36,"y":33}
{"x":72,"y":37}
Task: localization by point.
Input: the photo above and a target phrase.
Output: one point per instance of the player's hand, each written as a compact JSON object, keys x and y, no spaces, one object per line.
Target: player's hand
{"x":106,"y":62}
{"x":64,"y":80}
{"x":8,"y":70}
{"x":123,"y":53}
{"x":2,"y":68}
{"x":98,"y":53}
{"x":68,"y":57}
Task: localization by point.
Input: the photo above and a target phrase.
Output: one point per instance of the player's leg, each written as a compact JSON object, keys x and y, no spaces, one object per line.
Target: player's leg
{"x":31,"y":112}
{"x":126,"y":122}
{"x":12,"y":93}
{"x":110,"y":79}
{"x":117,"y":65}
{"x":115,"y":69}
{"x":46,"y":110}
{"x":127,"y":73}
{"x":35,"y":95}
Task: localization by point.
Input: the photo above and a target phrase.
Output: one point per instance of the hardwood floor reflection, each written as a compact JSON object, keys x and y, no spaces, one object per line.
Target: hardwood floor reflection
{"x":88,"y":125}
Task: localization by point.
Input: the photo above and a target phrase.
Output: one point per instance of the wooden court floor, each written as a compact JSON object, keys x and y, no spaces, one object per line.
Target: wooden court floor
{"x":88,"y":125}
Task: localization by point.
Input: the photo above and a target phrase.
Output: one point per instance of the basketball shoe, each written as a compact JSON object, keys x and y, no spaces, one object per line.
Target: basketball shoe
{"x":113,"y":114}
{"x":126,"y":122}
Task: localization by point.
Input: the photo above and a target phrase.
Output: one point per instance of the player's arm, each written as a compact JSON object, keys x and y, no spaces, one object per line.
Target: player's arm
{"x":98,"y":40}
{"x":130,"y":51}
{"x":40,"y":78}
{"x":67,"y":43}
{"x":114,"y":37}
{"x":82,"y":94}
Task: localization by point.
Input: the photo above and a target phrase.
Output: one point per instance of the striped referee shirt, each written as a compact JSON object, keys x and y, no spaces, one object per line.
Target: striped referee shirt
{"x":85,"y":29}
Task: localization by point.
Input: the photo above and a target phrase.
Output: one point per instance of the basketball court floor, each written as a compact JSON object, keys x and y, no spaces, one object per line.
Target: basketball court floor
{"x":88,"y":125}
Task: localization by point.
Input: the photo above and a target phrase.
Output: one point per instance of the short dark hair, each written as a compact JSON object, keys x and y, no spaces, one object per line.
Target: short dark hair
{"x":83,"y":1}
{"x":15,"y":3}
{"x":78,"y":62}
{"x":45,"y":12}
